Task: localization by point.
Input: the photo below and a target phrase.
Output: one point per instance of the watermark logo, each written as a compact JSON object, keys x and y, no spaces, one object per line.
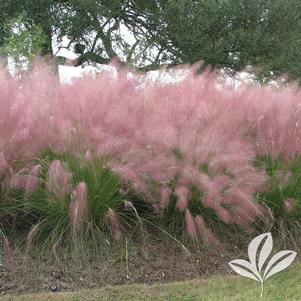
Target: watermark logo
{"x":259,"y":268}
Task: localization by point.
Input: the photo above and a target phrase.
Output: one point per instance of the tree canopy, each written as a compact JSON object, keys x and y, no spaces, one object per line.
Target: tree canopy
{"x":262,"y":35}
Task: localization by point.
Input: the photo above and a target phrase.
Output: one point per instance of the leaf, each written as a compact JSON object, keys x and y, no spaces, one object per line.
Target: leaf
{"x":245,"y":269}
{"x":288,"y":258}
{"x":265,"y":251}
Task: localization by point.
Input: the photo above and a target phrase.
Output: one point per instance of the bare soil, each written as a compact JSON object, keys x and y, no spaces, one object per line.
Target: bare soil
{"x":152,"y":261}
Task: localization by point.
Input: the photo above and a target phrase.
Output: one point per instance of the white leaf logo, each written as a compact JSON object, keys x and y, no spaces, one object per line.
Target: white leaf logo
{"x":245,"y":268}
{"x":272,"y":268}
{"x":259,"y":250}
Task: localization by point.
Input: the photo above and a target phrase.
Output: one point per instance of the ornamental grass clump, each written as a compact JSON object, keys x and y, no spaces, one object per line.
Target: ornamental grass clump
{"x":273,"y":119}
{"x":168,"y":141}
{"x":197,"y":149}
{"x":26,"y":114}
{"x":70,"y":200}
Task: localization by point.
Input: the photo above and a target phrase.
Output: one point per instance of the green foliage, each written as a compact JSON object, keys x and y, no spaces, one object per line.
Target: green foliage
{"x":284,"y":183}
{"x":262,"y":36}
{"x":22,"y":44}
{"x":236,"y":34}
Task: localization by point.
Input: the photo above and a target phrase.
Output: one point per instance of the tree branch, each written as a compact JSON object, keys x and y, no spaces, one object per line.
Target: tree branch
{"x":86,"y":57}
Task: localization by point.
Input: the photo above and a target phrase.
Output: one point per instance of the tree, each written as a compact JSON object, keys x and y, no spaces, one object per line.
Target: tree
{"x":147,"y":34}
{"x":22,"y":44}
{"x":99,"y":26}
{"x":235,"y":34}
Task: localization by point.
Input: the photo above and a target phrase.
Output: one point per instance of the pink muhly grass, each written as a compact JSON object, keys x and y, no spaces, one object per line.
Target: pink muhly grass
{"x":8,"y":254}
{"x":114,"y":223}
{"x":290,"y":204}
{"x":33,"y":180}
{"x":18,"y":181}
{"x":26,"y":180}
{"x":123,"y":191}
{"x":283,"y":178}
{"x":32,"y":183}
{"x":128,"y":205}
{"x":198,"y":132}
{"x":182,"y":194}
{"x":26,"y":120}
{"x":206,"y":234}
{"x":3,"y":165}
{"x":190,"y":224}
{"x":140,"y":130}
{"x":31,"y":236}
{"x":275,"y":113}
{"x":59,"y":179}
{"x":88,"y":156}
{"x":164,"y":197}
{"x":78,"y":209}
{"x":36,"y":170}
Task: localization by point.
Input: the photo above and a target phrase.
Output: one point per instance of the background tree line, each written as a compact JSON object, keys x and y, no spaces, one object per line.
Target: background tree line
{"x":261,"y":35}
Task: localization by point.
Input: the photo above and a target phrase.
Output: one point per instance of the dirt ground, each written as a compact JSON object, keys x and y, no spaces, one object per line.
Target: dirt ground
{"x":152,"y":261}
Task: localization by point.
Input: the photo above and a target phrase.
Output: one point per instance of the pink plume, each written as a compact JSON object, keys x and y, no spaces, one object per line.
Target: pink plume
{"x":114,"y":222}
{"x":3,"y":165}
{"x":190,"y":224}
{"x":164,"y":197}
{"x":182,"y":194}
{"x":59,"y":179}
{"x":289,"y":204}
{"x":78,"y":207}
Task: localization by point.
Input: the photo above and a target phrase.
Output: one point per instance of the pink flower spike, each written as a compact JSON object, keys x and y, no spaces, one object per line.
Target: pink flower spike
{"x":182,"y":194}
{"x":164,"y":197}
{"x":290,"y":204}
{"x":35,"y":171}
{"x":113,"y":220}
{"x":190,"y":224}
{"x":78,"y":209}
{"x":59,"y":179}
{"x":3,"y":164}
{"x":32,"y":183}
{"x":88,"y":156}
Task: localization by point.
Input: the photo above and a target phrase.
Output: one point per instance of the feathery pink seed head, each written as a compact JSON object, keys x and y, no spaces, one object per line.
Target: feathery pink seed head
{"x":290,"y":204}
{"x":182,"y":194}
{"x":205,"y":233}
{"x":59,"y":179}
{"x":164,"y":197}
{"x":190,"y":224}
{"x":32,"y":183}
{"x":3,"y":165}
{"x":78,"y":207}
{"x":18,"y":181}
{"x":114,"y":222}
{"x":128,"y":205}
{"x":35,"y":171}
{"x":88,"y":156}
